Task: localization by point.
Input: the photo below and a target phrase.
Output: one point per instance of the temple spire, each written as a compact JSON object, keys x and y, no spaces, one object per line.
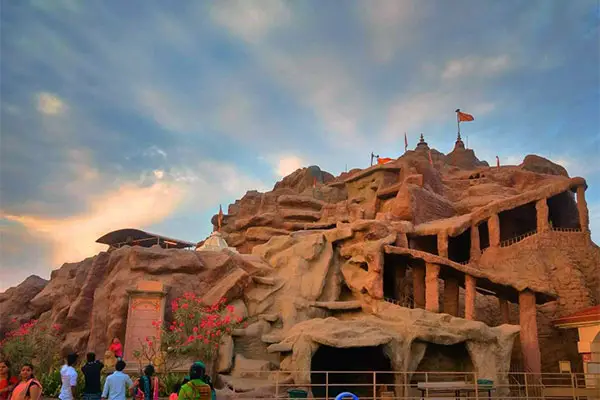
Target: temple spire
{"x":422,"y":145}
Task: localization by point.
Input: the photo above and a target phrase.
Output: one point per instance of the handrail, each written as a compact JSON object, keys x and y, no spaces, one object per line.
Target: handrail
{"x":558,"y":229}
{"x":517,"y":239}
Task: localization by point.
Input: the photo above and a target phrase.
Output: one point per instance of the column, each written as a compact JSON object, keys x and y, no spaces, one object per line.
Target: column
{"x":541,"y":207}
{"x":451,"y":291}
{"x":442,"y":244}
{"x":504,"y":313}
{"x":529,"y":332}
{"x":418,"y":274}
{"x":582,"y":209}
{"x":432,"y":287}
{"x":494,"y":228}
{"x":470,"y":293}
{"x":475,"y":245}
{"x":401,"y":240}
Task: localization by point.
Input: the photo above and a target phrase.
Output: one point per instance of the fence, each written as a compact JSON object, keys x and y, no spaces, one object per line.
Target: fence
{"x":395,"y":385}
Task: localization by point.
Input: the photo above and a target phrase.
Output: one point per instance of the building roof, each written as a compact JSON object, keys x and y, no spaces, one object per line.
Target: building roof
{"x":585,"y":316}
{"x":141,"y":238}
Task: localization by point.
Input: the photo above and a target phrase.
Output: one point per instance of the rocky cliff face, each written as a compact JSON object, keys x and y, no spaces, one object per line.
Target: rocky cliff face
{"x":315,"y":251}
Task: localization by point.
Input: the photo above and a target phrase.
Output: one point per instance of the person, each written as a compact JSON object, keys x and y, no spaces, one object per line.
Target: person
{"x":175,"y":392}
{"x":68,"y":377}
{"x":7,"y":382}
{"x":199,"y":387}
{"x":91,"y":371}
{"x":28,"y":388}
{"x":115,"y":387}
{"x":117,"y":349}
{"x":147,"y":386}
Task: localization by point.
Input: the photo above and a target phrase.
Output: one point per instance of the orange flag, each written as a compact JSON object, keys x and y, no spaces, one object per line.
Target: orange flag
{"x":383,"y":160}
{"x":220,"y":217}
{"x":464,"y":117}
{"x":405,"y":142}
{"x":430,"y":160}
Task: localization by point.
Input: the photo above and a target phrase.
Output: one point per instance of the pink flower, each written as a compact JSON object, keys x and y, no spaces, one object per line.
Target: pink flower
{"x":195,"y":329}
{"x":149,"y":343}
{"x":230,"y":308}
{"x":185,"y":306}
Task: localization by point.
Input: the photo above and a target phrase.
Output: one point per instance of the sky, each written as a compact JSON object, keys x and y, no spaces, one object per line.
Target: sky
{"x":149,"y":114}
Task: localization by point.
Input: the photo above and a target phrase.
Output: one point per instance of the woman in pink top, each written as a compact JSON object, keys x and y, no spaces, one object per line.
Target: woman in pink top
{"x":29,"y":388}
{"x":116,"y":348}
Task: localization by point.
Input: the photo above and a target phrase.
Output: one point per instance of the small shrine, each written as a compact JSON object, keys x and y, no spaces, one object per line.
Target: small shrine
{"x":422,"y":145}
{"x":215,"y":242}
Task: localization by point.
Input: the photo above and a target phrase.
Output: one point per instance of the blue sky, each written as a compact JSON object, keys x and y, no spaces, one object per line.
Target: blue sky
{"x":150,"y":114}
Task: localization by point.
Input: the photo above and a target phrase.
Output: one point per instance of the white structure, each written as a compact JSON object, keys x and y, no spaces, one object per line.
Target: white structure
{"x":215,"y":242}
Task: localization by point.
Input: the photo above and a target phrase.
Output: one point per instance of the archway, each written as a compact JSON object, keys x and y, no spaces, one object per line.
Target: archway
{"x":360,"y":359}
{"x":448,"y":358}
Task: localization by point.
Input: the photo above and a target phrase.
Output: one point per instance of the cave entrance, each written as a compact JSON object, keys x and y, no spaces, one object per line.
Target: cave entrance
{"x":562,"y":211}
{"x":459,"y":247}
{"x":396,"y":285}
{"x":360,"y":359}
{"x":424,"y":243}
{"x":518,"y":221}
{"x":454,"y":359}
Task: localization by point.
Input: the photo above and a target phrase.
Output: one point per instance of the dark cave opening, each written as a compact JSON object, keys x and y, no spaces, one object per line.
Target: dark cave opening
{"x":448,"y":358}
{"x":360,"y":359}
{"x":459,"y":247}
{"x":518,"y":221}
{"x":562,"y":211}
{"x":424,"y":243}
{"x":484,"y":235}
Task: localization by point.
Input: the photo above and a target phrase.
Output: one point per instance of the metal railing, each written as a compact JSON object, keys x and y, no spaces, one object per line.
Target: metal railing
{"x":556,"y":229}
{"x":397,"y":385}
{"x":516,"y":239}
{"x":405,"y":302}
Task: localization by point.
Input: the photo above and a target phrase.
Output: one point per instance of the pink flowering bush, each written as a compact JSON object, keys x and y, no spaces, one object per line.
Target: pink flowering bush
{"x":32,"y":342}
{"x":195,"y":330}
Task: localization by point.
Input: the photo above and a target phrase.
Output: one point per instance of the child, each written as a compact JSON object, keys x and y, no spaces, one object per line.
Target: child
{"x":175,"y":392}
{"x":117,"y":349}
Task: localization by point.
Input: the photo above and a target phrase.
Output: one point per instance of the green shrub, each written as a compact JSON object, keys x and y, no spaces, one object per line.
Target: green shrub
{"x":169,"y":381}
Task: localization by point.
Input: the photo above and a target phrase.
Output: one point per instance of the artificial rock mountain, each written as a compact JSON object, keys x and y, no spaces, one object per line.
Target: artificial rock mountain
{"x":317,"y":260}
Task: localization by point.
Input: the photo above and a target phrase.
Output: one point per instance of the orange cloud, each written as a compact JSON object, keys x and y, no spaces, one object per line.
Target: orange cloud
{"x":73,"y":238}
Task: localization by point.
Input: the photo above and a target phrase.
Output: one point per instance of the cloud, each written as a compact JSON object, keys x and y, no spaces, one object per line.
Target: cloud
{"x":158,"y":174}
{"x":388,"y":25}
{"x":476,"y":66}
{"x":50,"y":104}
{"x":288,"y":164}
{"x":73,"y":238}
{"x":410,"y":113}
{"x":251,"y":21}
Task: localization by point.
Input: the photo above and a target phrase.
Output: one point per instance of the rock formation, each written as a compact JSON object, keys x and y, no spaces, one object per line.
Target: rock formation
{"x":402,"y":257}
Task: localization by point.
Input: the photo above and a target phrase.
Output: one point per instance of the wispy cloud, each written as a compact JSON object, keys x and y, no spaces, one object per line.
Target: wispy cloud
{"x":476,"y":66}
{"x":50,"y":104}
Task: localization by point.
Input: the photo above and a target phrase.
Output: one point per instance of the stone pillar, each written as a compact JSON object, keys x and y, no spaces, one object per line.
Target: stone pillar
{"x":582,"y":209}
{"x":475,"y":245}
{"x":504,"y":313}
{"x":494,"y":228}
{"x":418,"y":274}
{"x":432,"y":287}
{"x":529,"y":332}
{"x":442,"y":244}
{"x":451,"y":291}
{"x":470,"y":293}
{"x":401,"y":240}
{"x":541,"y":207}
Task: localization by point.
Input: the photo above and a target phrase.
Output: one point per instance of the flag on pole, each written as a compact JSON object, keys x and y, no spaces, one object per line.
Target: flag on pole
{"x":405,"y":142}
{"x":430,"y":160}
{"x":220,"y":218}
{"x":497,"y":161}
{"x":384,"y":160}
{"x":464,"y":117}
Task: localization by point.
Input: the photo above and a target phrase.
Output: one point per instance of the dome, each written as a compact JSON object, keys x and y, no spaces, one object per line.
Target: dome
{"x":215,"y":242}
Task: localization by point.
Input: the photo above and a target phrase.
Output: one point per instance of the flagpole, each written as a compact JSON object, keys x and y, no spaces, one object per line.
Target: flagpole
{"x":458,"y":121}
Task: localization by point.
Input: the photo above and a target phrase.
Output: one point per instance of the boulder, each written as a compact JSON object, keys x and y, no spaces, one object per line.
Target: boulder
{"x":15,"y":302}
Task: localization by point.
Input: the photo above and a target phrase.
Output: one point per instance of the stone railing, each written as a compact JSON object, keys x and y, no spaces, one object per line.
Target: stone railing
{"x":463,"y":262}
{"x":516,"y":239}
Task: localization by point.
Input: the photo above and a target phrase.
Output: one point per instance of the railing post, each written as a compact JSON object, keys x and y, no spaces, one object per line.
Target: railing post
{"x":526,"y":385}
{"x":476,"y":385}
{"x":277,"y":384}
{"x":374,"y":385}
{"x":326,"y":385}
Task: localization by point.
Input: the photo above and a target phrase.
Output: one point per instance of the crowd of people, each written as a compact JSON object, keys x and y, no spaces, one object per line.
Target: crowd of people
{"x":196,"y":386}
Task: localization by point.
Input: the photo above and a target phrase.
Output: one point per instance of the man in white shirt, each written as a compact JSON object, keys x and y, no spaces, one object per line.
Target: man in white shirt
{"x":117,"y":383}
{"x":68,"y":376}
